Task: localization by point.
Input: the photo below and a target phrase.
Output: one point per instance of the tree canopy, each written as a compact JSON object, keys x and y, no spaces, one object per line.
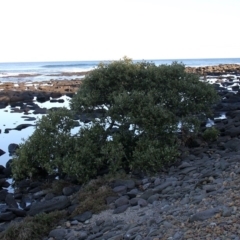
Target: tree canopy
{"x":136,"y":109}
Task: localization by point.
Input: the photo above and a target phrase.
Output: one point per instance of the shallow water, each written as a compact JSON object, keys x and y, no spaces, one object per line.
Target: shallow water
{"x":12,"y":120}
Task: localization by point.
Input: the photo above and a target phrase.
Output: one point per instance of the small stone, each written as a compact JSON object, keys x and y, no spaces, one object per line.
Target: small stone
{"x":121,"y":201}
{"x":142,"y":202}
{"x":83,"y":217}
{"x":120,"y":189}
{"x":120,"y":209}
{"x":145,"y":180}
{"x":67,"y":191}
{"x":204,"y":215}
{"x":147,"y":194}
{"x":58,"y":234}
{"x":74,"y":222}
{"x":227,"y":212}
{"x":68,"y":224}
{"x":145,"y":186}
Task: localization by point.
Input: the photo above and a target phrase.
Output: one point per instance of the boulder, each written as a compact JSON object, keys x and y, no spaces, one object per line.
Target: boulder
{"x":1,"y":152}
{"x":83,"y":217}
{"x":22,"y":126}
{"x":40,"y":111}
{"x":56,"y":203}
{"x":8,"y":216}
{"x":12,"y":148}
{"x":4,"y":183}
{"x":10,"y":201}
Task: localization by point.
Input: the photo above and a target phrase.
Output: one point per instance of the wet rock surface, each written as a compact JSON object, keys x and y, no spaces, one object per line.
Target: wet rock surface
{"x":25,"y":92}
{"x":216,"y":70}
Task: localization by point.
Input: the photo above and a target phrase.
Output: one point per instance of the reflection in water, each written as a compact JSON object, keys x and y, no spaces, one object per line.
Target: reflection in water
{"x":12,"y":120}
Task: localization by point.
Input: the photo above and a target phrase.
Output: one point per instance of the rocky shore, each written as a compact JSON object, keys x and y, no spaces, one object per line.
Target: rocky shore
{"x":26,"y":91}
{"x":197,"y":197}
{"x":216,"y":70}
{"x":43,"y":91}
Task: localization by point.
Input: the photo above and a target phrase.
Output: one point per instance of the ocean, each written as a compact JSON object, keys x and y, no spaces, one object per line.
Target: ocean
{"x":45,"y":71}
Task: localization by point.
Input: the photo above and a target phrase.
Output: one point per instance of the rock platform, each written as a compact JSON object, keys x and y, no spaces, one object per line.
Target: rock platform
{"x":25,"y":92}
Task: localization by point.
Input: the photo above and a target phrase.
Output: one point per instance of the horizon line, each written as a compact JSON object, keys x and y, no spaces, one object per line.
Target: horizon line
{"x":104,"y":60}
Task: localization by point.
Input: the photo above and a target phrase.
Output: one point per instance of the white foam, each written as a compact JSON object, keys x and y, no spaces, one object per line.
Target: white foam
{"x":16,"y":74}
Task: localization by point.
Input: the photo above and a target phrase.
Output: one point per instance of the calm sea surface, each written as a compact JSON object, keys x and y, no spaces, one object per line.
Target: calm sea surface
{"x":43,"y":71}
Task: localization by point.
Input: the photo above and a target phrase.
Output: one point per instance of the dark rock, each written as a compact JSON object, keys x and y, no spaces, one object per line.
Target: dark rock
{"x":23,"y":184}
{"x":29,"y":118}
{"x":7,"y":130}
{"x":71,"y":208}
{"x":18,"y":195}
{"x":49,"y":196}
{"x":3,"y":105}
{"x":204,"y":215}
{"x":17,"y":212}
{"x":55,"y":95}
{"x":187,"y":170}
{"x":8,"y":216}
{"x":16,"y":110}
{"x":83,"y":217}
{"x":35,"y":190}
{"x":134,"y":201}
{"x":120,"y":209}
{"x":159,"y":188}
{"x":121,"y":201}
{"x":3,"y":194}
{"x":23,"y":126}
{"x":128,"y":183}
{"x":142,"y":202}
{"x":184,"y":165}
{"x":42,"y":98}
{"x":57,"y":100}
{"x":1,"y":152}
{"x":148,"y":193}
{"x":133,"y":193}
{"x":58,"y":234}
{"x":12,"y":148}
{"x":35,"y":184}
{"x":120,"y":189}
{"x":40,"y":111}
{"x":10,"y":201}
{"x":57,"y":203}
{"x":226,"y":211}
{"x":4,"y":183}
{"x":153,"y":198}
{"x":232,"y":144}
{"x":2,"y":168}
{"x":67,"y":191}
{"x":8,"y":170}
{"x":110,"y":199}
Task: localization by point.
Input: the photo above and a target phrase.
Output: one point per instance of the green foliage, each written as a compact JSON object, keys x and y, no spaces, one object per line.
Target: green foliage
{"x":141,"y":106}
{"x":85,"y":158}
{"x":46,"y":147}
{"x":211,"y":134}
{"x":34,"y":228}
{"x":145,"y":103}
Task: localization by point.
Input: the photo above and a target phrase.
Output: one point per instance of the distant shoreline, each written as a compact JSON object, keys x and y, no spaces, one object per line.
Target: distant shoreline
{"x":26,"y":91}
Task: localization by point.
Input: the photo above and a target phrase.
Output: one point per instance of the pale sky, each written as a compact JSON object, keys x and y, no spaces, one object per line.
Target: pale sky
{"x":62,"y":30}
